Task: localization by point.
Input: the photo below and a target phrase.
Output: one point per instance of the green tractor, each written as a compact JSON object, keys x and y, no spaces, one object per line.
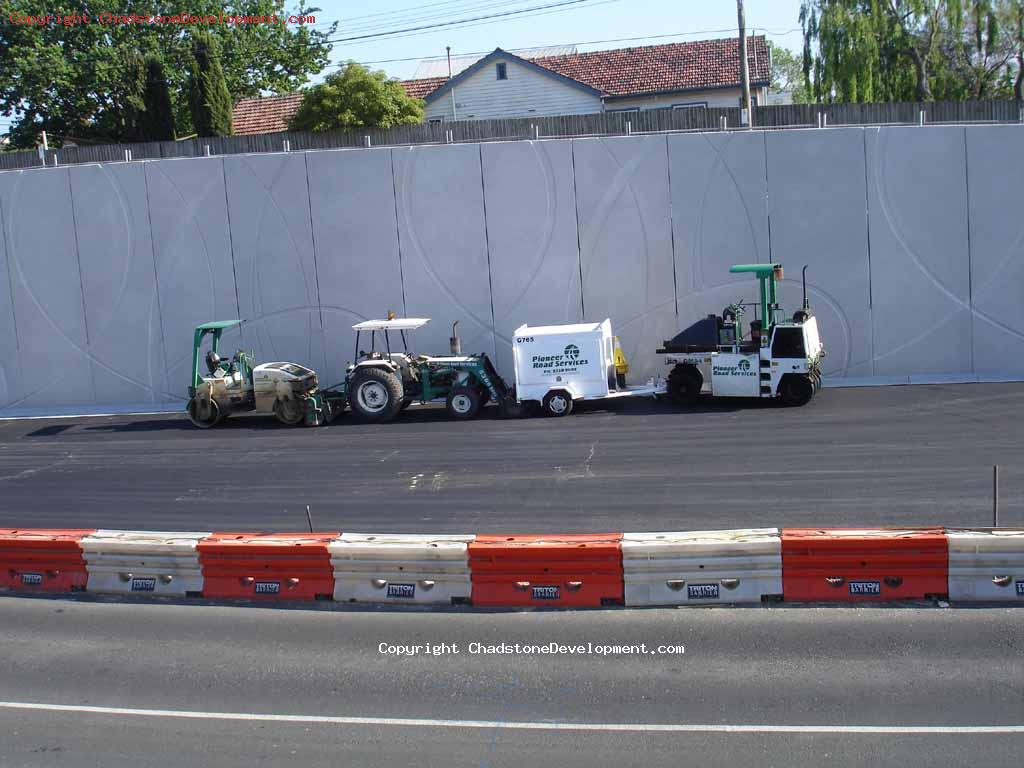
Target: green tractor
{"x":238,"y":385}
{"x":383,"y":382}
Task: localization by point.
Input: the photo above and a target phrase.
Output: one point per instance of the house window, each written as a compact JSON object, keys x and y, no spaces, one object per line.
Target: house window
{"x":501,"y":70}
{"x":436,"y":120}
{"x":753,"y":100}
{"x":691,"y":105}
{"x":624,"y":109}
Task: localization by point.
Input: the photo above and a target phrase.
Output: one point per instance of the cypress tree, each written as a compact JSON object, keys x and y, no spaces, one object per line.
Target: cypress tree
{"x":156,"y":123}
{"x":209,"y":98}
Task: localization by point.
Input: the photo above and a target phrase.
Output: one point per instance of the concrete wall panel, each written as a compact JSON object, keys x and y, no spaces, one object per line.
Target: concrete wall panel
{"x":719,"y":218}
{"x":531,"y":238}
{"x":995,"y":163}
{"x":115,"y":251}
{"x":625,"y":236}
{"x":10,"y":380}
{"x":920,"y":277}
{"x":356,"y":238}
{"x":275,"y":269}
{"x":818,"y":212}
{"x":42,"y":259}
{"x":192,"y":246}
{"x":444,"y":245}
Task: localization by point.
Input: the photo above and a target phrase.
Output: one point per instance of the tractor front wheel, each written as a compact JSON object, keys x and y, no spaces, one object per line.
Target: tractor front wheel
{"x":290,"y":411}
{"x":463,"y":402}
{"x":204,"y":412}
{"x":375,"y":394}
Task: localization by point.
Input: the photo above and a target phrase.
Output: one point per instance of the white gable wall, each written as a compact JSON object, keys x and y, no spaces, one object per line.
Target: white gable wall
{"x":526,"y":93}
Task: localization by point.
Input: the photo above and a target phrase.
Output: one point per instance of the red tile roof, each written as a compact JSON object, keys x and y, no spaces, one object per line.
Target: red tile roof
{"x":671,"y":67}
{"x":619,"y":72}
{"x":266,"y":114}
{"x":417,"y":89}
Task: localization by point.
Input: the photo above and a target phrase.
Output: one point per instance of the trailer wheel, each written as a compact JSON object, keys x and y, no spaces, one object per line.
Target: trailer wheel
{"x":204,"y":413}
{"x":463,"y":403}
{"x":375,"y":394}
{"x":290,"y":412}
{"x":684,"y":384}
{"x":796,"y":390}
{"x":558,"y":403}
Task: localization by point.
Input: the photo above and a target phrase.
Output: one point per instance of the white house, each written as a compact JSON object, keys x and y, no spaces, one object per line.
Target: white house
{"x":681,"y":75}
{"x":704,"y":73}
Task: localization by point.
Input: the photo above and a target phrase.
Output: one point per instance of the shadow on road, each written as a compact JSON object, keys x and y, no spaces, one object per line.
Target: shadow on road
{"x":641,"y":406}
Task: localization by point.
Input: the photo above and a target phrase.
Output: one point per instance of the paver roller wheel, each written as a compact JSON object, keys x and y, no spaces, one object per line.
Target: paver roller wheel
{"x":290,"y":411}
{"x":203,"y":412}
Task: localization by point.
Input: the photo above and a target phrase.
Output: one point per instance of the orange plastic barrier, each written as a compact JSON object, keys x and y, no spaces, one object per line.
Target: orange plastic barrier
{"x":847,"y":564}
{"x":273,"y":566}
{"x":552,"y":570}
{"x":41,"y":559}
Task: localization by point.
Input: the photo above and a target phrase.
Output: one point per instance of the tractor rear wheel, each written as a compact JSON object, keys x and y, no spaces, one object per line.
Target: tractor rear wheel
{"x":290,"y":411}
{"x":558,"y":403}
{"x":463,"y":402}
{"x":796,"y":390}
{"x":204,"y":412}
{"x":375,"y":394}
{"x":684,"y":384}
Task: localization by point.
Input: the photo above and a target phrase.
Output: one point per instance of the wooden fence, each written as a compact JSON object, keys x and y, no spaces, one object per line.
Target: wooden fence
{"x":598,"y":124}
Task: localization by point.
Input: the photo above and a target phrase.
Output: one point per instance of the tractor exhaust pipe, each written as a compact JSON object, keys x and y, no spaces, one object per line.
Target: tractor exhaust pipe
{"x":456,"y":344}
{"x":803,"y":278}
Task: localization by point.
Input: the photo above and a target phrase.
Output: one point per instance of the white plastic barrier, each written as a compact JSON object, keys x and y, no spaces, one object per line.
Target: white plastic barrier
{"x":143,"y":562}
{"x":700,"y":567}
{"x":400,"y":568}
{"x":986,"y":564}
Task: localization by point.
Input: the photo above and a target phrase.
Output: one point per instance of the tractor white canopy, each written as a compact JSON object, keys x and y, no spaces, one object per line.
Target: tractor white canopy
{"x":398,"y":324}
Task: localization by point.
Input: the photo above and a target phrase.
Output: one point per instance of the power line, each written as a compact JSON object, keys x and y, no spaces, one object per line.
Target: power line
{"x":477,"y":5}
{"x":443,"y":24}
{"x":362,"y":19}
{"x":485,"y":23}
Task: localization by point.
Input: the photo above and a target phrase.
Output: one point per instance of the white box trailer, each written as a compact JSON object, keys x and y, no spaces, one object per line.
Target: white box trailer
{"x":556,"y":365}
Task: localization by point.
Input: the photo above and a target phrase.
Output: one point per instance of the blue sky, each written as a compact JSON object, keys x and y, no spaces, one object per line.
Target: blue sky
{"x":592,"y":20}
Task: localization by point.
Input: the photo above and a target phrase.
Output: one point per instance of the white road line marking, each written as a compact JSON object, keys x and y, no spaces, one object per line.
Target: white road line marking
{"x":413,"y":722}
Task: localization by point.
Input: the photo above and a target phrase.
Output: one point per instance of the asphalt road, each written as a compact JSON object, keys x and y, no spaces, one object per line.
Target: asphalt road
{"x":825,"y":671}
{"x":873,"y":456}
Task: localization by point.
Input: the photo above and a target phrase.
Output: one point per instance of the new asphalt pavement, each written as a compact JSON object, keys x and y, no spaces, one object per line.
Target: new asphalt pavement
{"x":910,"y":455}
{"x":133,"y":685}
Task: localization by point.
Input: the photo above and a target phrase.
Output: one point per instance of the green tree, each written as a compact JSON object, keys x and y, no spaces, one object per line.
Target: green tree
{"x":787,"y":73}
{"x":356,"y":97}
{"x":901,"y":50}
{"x":209,"y":99}
{"x":128,"y":98}
{"x":156,"y":123}
{"x":68,"y":79}
{"x":1017,"y":19}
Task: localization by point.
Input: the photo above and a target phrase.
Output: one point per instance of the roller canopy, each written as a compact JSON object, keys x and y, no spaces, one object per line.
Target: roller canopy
{"x":398,"y":324}
{"x":218,"y":325}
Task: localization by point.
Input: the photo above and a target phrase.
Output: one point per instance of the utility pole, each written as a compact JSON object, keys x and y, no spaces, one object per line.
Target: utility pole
{"x":448,"y":48}
{"x":744,"y":69}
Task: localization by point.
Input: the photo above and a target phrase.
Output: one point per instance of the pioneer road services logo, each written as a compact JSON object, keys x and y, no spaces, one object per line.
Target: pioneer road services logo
{"x":567,"y":362}
{"x":741,"y":368}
